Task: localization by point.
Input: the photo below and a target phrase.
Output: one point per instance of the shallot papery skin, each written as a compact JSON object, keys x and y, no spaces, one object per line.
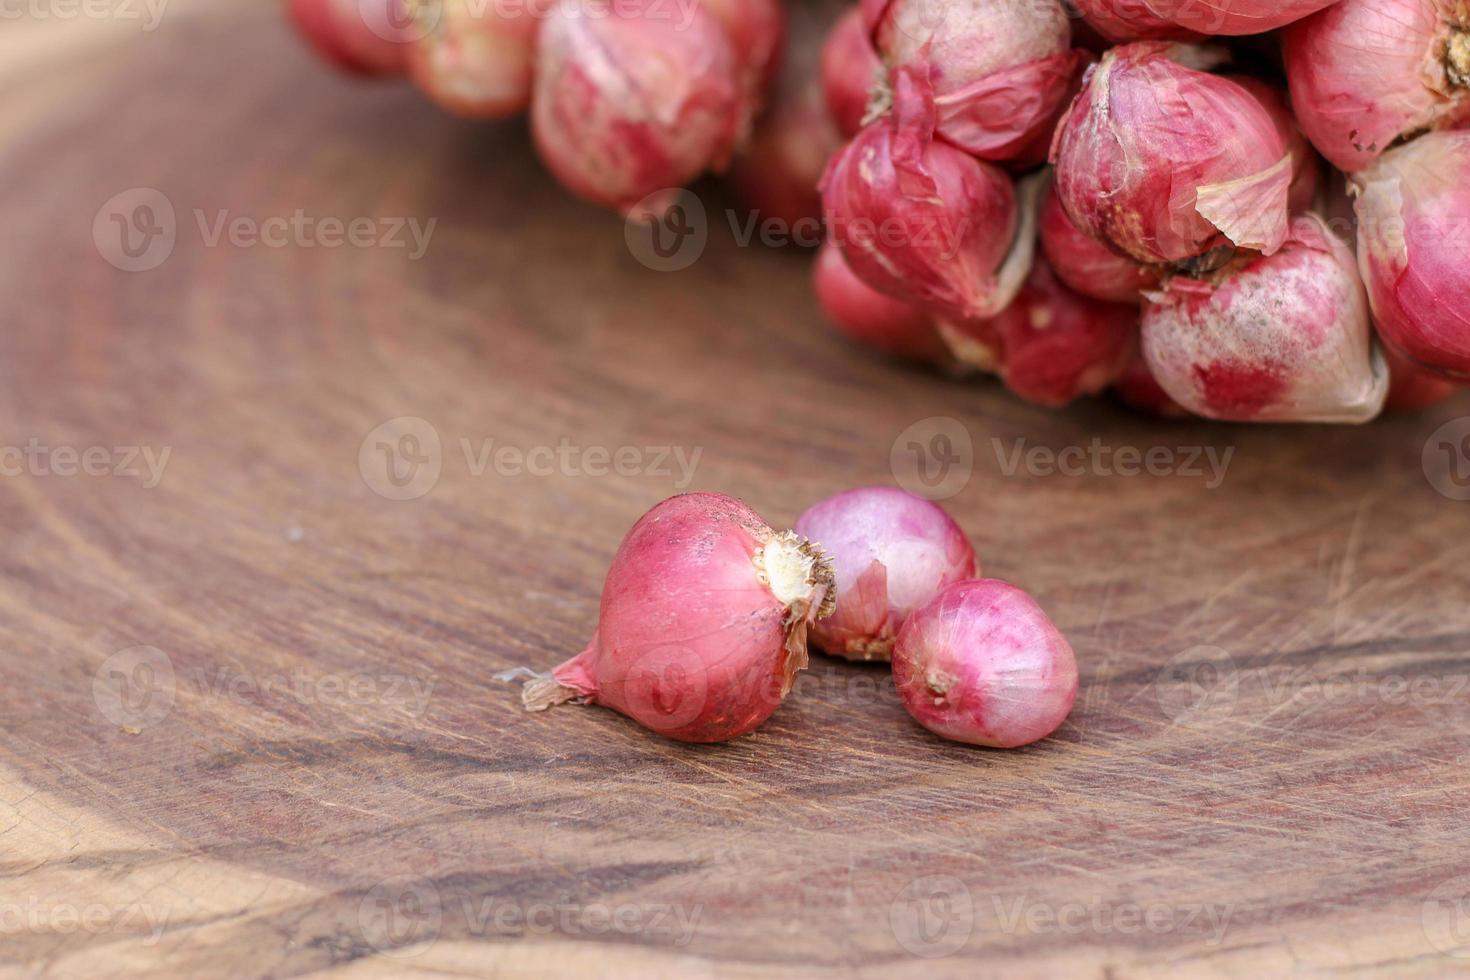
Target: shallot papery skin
{"x":1306,"y":170}
{"x":983,"y":664}
{"x":365,"y":37}
{"x":1235,"y":17}
{"x":1365,"y":74}
{"x":1413,"y":389}
{"x":1284,"y":338}
{"x":876,"y":321}
{"x":1121,"y":21}
{"x":633,"y":101}
{"x":703,"y":625}
{"x":1413,"y":209}
{"x":850,"y":70}
{"x":922,"y":221}
{"x":1052,"y":345}
{"x":892,"y":552}
{"x":1165,"y":162}
{"x":1001,"y":70}
{"x":1087,"y":265}
{"x":475,"y":58}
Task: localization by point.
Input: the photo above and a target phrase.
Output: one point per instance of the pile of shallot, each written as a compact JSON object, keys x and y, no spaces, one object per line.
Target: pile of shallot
{"x":1248,"y":210}
{"x":1192,"y":250}
{"x":706,"y":614}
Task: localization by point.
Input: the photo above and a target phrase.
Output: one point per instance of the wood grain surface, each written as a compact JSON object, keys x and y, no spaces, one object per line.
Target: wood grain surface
{"x":250,"y":721}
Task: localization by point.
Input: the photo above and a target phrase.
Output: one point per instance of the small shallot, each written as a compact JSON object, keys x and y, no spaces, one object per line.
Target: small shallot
{"x":1166,"y":162}
{"x":1284,"y":338}
{"x":1366,"y":74}
{"x":892,"y":552}
{"x":982,"y":664}
{"x":1051,"y":345}
{"x":874,"y":320}
{"x":1086,"y":264}
{"x":1413,"y":210}
{"x":366,"y":37}
{"x":474,"y":58}
{"x":703,"y":624}
{"x":922,"y":221}
{"x":1001,"y":70}
{"x":632,"y":103}
{"x":850,"y":70}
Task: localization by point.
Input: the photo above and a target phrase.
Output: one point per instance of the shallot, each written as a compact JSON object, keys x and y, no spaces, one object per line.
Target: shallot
{"x":1282,"y":338}
{"x":1140,"y":390}
{"x":756,"y":29}
{"x":1166,"y":162}
{"x":891,"y":552}
{"x":922,"y":221}
{"x":1235,"y":17}
{"x":983,"y":664}
{"x":1413,"y":389}
{"x":1367,"y":74}
{"x":631,"y":103}
{"x":1051,"y":345}
{"x":366,"y":37}
{"x":1306,"y":174}
{"x":703,"y":624}
{"x":1001,"y":70}
{"x":850,"y":71}
{"x":872,"y":319}
{"x":1413,"y":210}
{"x":1087,"y":265}
{"x":475,"y":58}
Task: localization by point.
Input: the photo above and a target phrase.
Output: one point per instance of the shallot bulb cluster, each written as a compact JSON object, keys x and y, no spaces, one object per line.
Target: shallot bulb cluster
{"x":706,"y":612}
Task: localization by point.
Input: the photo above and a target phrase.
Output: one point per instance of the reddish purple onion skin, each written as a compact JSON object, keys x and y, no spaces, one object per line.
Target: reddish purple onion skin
{"x":1141,"y":391}
{"x":1001,"y":70}
{"x":633,"y":102}
{"x":982,"y":664}
{"x":850,"y":70}
{"x":1052,"y":346}
{"x":1306,"y":168}
{"x":1413,"y":209}
{"x":340,"y":32}
{"x":1145,"y":163}
{"x":703,"y":623}
{"x":1413,"y":389}
{"x":1087,"y":265}
{"x":475,"y":61}
{"x":757,"y":31}
{"x":1122,"y":21}
{"x":1365,"y":74}
{"x":892,"y":553}
{"x":1284,"y":338}
{"x":920,"y":220}
{"x":865,"y":315}
{"x":1235,"y":18}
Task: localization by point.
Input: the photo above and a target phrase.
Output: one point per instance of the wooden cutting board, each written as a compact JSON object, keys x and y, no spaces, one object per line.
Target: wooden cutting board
{"x":247,"y":674}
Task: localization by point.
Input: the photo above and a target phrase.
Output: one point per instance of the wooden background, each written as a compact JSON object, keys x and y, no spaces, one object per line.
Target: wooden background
{"x":250,"y":723}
